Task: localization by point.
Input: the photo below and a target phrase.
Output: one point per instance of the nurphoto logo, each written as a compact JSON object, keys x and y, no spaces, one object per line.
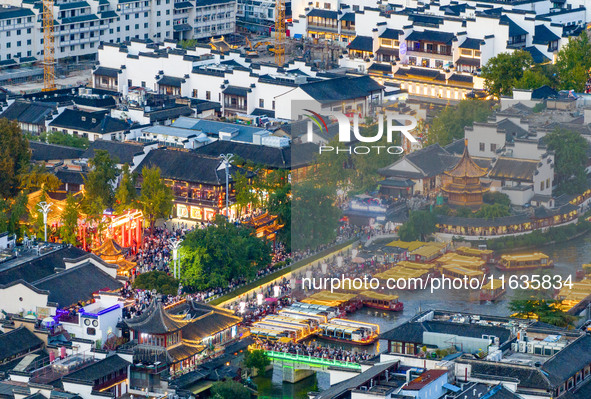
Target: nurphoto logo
{"x":395,"y":123}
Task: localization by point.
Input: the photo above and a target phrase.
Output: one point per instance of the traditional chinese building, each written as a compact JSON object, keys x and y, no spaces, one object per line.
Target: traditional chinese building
{"x":111,"y":252}
{"x":265,"y":225}
{"x":178,"y":337}
{"x":465,"y":188}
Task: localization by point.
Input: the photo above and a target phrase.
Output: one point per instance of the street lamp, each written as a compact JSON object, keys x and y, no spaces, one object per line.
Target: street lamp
{"x":44,"y":208}
{"x":175,"y":245}
{"x":227,"y":158}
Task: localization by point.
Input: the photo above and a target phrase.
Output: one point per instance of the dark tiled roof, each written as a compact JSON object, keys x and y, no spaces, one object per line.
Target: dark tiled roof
{"x":340,"y":89}
{"x":236,"y":91}
{"x":413,"y":331}
{"x":431,"y":36}
{"x":204,"y":105}
{"x":95,"y":122}
{"x":323,"y":14}
{"x":381,"y":68}
{"x":182,"y":27}
{"x":169,"y":113}
{"x":514,"y":29}
{"x":543,"y":92}
{"x":70,"y":176}
{"x":537,"y":55}
{"x":473,"y":44}
{"x":391,"y":34}
{"x":210,"y":319}
{"x":269,"y":156}
{"x":97,"y":370}
{"x":361,"y":43}
{"x":40,"y":267}
{"x":72,"y":5}
{"x":431,"y":161}
{"x":348,"y":17}
{"x":456,"y":147}
{"x":124,"y":152}
{"x":79,"y":18}
{"x":187,"y":166}
{"x":468,"y":61}
{"x":543,"y":35}
{"x":572,"y":359}
{"x":76,"y":284}
{"x":47,"y":152}
{"x":183,"y":4}
{"x":263,"y":112}
{"x":104,"y":71}
{"x":29,"y":112}
{"x":528,"y":376}
{"x":512,"y":130}
{"x":461,"y":78}
{"x":15,"y":12}
{"x":17,"y":342}
{"x":514,"y":169}
{"x":171,"y":81}
{"x":155,"y":320}
{"x":478,"y":222}
{"x":95,"y":102}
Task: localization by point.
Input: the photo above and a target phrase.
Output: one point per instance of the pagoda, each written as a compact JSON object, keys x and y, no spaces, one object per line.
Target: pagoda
{"x":465,"y":188}
{"x":111,"y":252}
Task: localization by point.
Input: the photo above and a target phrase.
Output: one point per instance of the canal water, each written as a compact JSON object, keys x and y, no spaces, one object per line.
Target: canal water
{"x":568,"y":258}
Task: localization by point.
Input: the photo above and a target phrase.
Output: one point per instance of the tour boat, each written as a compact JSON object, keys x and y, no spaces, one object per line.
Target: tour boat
{"x":484,"y":254}
{"x":349,"y":331}
{"x":381,"y":301}
{"x":492,"y":290}
{"x":536,"y":260}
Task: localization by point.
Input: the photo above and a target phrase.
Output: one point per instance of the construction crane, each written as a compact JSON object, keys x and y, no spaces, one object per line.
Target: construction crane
{"x":280,"y":32}
{"x":48,"y":47}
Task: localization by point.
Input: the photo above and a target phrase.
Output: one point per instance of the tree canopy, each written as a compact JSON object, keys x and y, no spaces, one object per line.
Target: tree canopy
{"x":157,"y":280}
{"x":60,"y":138}
{"x":314,"y":214}
{"x":539,"y":304}
{"x":229,"y":389}
{"x":418,"y":226}
{"x":257,"y":359}
{"x":502,"y":72}
{"x":99,"y":183}
{"x":570,"y":150}
{"x":573,"y":63}
{"x":214,"y":256}
{"x":156,"y":197}
{"x":449,"y":124}
{"x":126,"y":195}
{"x":69,"y":220}
{"x":14,"y":157}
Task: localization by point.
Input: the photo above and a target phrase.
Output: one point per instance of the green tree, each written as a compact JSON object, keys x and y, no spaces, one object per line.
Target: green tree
{"x":37,"y":177}
{"x":98,"y":183}
{"x":504,"y":70}
{"x":257,"y":359}
{"x":449,"y":124}
{"x":570,"y":150}
{"x":69,"y":221}
{"x":157,"y":280}
{"x":539,"y":304}
{"x":18,"y":212}
{"x":36,"y":225}
{"x":419,"y":225}
{"x":534,"y":78}
{"x":488,"y":211}
{"x":126,"y":195}
{"x":156,"y":197}
{"x":315,"y":216}
{"x":213,"y":256}
{"x":60,"y":138}
{"x":14,"y":156}
{"x":280,"y":205}
{"x":244,"y":191}
{"x":496,"y":197}
{"x":229,"y":389}
{"x":573,"y":63}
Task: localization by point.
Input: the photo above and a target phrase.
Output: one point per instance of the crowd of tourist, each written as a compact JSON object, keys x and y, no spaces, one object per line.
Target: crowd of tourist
{"x":313,"y":349}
